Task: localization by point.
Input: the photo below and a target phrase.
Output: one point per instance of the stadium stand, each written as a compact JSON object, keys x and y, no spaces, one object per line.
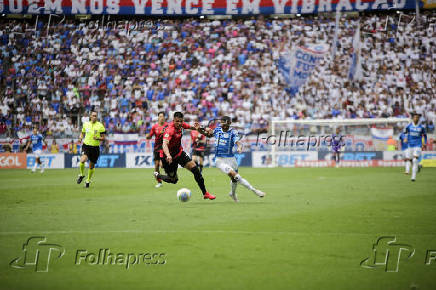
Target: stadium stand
{"x":208,"y":68}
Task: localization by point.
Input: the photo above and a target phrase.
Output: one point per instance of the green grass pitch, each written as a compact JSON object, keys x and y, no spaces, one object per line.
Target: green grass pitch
{"x":311,"y":231}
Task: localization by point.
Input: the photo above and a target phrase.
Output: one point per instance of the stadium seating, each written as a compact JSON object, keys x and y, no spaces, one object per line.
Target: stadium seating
{"x":208,"y":68}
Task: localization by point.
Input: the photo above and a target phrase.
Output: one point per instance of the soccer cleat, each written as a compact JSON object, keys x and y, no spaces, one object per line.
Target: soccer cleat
{"x":42,"y":170}
{"x":79,"y":179}
{"x":158,"y":185}
{"x":419,"y":167}
{"x":208,"y":196}
{"x":234,"y":197}
{"x":259,"y":193}
{"x":412,"y":179}
{"x":406,"y":173}
{"x":87,"y":184}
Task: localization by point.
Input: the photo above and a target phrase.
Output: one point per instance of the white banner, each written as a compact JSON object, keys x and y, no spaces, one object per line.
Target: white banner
{"x":139,"y":160}
{"x":297,"y":66}
{"x":50,"y":160}
{"x":382,"y":133}
{"x":284,"y":159}
{"x":399,"y":155}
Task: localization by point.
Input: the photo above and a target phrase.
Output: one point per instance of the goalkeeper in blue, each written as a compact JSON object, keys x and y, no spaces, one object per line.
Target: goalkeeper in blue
{"x":225,"y":140}
{"x":415,"y":132}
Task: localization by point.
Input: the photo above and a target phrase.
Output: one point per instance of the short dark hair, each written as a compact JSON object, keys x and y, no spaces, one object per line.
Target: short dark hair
{"x":226,"y":118}
{"x":162,"y":112}
{"x":178,"y":115}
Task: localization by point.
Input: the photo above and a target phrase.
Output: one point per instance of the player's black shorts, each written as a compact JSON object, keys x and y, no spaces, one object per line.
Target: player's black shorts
{"x":198,"y":153}
{"x":93,"y":152}
{"x":171,"y":169}
{"x":156,"y":155}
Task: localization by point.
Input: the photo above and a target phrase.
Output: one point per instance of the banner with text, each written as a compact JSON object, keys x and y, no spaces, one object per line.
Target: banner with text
{"x":284,"y":159}
{"x":197,"y":7}
{"x":49,"y":160}
{"x":297,"y":66}
{"x":104,"y":161}
{"x":12,"y":160}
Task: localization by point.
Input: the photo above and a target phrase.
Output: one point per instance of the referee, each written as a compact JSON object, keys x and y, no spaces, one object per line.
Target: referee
{"x":94,"y":134}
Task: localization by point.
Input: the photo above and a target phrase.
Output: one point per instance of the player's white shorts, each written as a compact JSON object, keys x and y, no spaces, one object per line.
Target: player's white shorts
{"x":37,"y":153}
{"x":412,"y":152}
{"x":225,"y":164}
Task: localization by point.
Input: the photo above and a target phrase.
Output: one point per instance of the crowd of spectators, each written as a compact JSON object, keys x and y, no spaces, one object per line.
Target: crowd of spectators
{"x":207,"y":68}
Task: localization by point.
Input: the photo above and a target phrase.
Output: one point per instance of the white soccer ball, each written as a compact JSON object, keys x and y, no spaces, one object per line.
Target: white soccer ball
{"x":183,"y":194}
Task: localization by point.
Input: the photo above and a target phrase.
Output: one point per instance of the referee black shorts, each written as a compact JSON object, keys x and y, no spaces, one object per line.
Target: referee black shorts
{"x":171,"y":168}
{"x":93,"y":152}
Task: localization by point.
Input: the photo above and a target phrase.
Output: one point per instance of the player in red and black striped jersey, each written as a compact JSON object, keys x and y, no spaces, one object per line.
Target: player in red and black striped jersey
{"x":172,"y":154}
{"x":198,"y":147}
{"x":157,"y":131}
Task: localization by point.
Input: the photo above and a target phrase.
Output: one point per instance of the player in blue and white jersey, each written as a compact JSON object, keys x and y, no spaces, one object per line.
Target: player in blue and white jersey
{"x":414,"y":134}
{"x":404,"y":147}
{"x":225,"y":140}
{"x":36,"y":140}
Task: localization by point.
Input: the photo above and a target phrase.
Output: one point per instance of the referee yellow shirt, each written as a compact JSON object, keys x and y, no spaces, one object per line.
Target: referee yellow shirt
{"x":92,"y":130}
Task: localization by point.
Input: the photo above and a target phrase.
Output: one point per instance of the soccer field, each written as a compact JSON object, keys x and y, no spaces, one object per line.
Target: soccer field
{"x":312,"y":231}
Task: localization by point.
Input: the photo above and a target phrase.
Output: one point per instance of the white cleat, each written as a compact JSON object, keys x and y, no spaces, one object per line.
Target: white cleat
{"x":234,"y":197}
{"x":158,"y":185}
{"x":33,"y":170}
{"x":42,"y":170}
{"x":259,"y":193}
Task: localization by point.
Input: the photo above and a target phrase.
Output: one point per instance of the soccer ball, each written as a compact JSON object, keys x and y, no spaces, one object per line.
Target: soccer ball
{"x":183,"y":194}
